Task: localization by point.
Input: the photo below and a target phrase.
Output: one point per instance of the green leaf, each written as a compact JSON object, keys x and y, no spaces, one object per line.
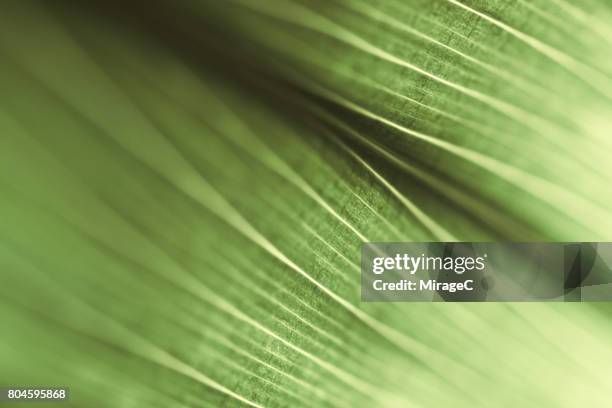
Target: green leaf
{"x":186,"y":186}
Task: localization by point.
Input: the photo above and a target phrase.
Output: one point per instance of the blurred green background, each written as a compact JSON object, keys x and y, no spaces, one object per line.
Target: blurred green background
{"x":185,"y":186}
